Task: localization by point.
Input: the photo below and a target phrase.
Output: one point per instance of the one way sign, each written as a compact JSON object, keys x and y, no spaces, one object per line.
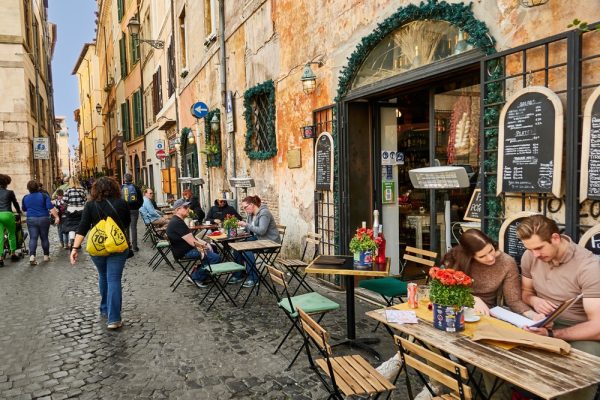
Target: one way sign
{"x":199,"y":109}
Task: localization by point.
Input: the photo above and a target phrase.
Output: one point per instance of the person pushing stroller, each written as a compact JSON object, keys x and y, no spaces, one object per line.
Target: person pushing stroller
{"x":7,"y":218}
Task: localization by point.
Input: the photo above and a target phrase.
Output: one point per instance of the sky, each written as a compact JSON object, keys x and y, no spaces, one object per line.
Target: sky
{"x":75,"y":25}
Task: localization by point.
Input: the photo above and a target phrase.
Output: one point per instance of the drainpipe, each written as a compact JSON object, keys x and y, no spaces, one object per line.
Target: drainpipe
{"x":176,"y":85}
{"x":38,"y":113}
{"x":223,"y":77}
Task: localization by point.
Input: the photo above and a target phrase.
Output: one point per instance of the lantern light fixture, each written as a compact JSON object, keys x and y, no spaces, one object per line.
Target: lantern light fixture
{"x":215,"y":123}
{"x":134,"y":30}
{"x":309,"y":79}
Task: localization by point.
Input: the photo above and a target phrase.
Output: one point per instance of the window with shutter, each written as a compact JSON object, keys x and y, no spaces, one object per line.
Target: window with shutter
{"x":171,"y":69}
{"x":156,"y":92}
{"x":123,"y":56}
{"x":134,"y":46}
{"x":125,"y":121}
{"x":138,"y":125}
{"x":120,"y":9}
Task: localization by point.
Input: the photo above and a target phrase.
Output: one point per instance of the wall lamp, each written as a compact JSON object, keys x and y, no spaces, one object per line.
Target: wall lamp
{"x":98,"y":108}
{"x":134,"y":30}
{"x":191,"y":138}
{"x":309,"y":79}
{"x":215,"y":123}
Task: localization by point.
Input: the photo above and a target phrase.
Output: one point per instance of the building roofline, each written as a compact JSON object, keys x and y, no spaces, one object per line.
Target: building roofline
{"x":81,"y":56}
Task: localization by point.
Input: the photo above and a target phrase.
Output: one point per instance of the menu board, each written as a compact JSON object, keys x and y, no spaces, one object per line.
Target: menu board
{"x":591,"y":240}
{"x":590,"y":149}
{"x":508,"y":239}
{"x":530,"y":142}
{"x":473,"y":212}
{"x":324,"y":162}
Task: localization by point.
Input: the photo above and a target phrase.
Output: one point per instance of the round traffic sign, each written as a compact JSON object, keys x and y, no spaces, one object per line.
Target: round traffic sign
{"x":199,"y":109}
{"x":161,"y":155}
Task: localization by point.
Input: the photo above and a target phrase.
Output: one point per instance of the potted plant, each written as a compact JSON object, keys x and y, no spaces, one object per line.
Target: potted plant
{"x":363,"y":246}
{"x":450,"y":293}
{"x":230,"y":224}
{"x":210,"y":149}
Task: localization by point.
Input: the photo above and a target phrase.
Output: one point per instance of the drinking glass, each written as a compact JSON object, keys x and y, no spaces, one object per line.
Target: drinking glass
{"x":423,"y":295}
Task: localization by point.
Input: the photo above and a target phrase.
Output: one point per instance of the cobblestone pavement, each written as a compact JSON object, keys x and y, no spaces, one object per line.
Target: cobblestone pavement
{"x":54,"y":345}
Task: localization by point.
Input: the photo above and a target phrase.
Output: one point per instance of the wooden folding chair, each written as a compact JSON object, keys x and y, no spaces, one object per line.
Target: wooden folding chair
{"x":281,"y":229}
{"x":419,"y":258}
{"x":312,"y":303}
{"x":348,"y":375}
{"x":293,"y":265}
{"x":438,"y":368}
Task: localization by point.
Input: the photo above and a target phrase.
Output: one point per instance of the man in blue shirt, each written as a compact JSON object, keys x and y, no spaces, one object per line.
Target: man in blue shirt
{"x":149,"y":213}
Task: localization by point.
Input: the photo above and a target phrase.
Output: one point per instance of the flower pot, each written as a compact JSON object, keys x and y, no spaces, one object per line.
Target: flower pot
{"x":363,"y":259}
{"x":448,"y":318}
{"x":231,"y":232}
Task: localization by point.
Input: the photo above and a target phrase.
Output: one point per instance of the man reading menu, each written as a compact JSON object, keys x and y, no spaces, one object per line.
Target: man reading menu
{"x":555,"y":269}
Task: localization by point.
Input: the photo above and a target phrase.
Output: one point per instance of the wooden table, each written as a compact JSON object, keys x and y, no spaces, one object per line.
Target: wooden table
{"x":265,"y":251}
{"x":222,"y":242}
{"x":202,"y":228}
{"x":542,"y":373}
{"x":329,"y":265}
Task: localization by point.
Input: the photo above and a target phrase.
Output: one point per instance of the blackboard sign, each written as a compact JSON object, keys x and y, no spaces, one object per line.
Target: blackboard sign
{"x":530,"y":142}
{"x":508,"y":240}
{"x":473,"y":212}
{"x":324,"y":162}
{"x":591,"y":240}
{"x":590,"y":149}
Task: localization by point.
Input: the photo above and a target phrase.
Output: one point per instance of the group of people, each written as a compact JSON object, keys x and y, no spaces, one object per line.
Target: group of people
{"x":553,"y":270}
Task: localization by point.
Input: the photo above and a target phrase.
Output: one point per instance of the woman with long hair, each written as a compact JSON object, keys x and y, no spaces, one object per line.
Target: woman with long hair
{"x":106,"y":201}
{"x":39,"y":208}
{"x":74,"y":198}
{"x":7,"y":218}
{"x":194,"y":204}
{"x":494,"y":273}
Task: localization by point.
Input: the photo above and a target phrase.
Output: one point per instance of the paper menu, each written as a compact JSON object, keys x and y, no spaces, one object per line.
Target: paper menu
{"x":401,"y":317}
{"x":511,"y":317}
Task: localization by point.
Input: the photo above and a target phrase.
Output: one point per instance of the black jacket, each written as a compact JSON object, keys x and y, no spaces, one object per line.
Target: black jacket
{"x":217,"y":212}
{"x":195,"y":207}
{"x":7,"y":200}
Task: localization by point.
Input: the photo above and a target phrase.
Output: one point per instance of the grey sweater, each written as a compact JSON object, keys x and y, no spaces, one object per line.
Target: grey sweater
{"x":263,"y":225}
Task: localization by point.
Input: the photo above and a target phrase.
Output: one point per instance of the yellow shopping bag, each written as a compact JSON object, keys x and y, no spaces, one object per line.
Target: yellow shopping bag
{"x":106,"y":238}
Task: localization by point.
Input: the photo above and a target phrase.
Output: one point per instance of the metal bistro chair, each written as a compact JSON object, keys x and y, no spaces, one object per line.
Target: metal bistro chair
{"x":312,"y":303}
{"x":293,"y":265}
{"x":186,"y":265}
{"x":216,"y":271}
{"x":434,"y":366}
{"x":392,"y":287}
{"x":162,"y":247}
{"x":348,"y":375}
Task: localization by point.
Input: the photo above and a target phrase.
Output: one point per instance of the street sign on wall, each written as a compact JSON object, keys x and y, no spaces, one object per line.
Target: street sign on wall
{"x":41,"y":148}
{"x":229,"y":112}
{"x":199,"y":110}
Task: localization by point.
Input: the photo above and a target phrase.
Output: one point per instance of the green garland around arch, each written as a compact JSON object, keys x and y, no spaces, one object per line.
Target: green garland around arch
{"x":183,"y":139}
{"x":264,"y":89}
{"x":213,"y":140}
{"x":459,"y":14}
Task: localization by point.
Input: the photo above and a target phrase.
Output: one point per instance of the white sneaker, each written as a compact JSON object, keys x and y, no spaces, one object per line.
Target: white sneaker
{"x":32,"y":261}
{"x":46,"y":258}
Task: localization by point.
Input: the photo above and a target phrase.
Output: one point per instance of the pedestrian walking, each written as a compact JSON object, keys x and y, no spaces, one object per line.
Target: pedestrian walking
{"x":75,"y":198}
{"x":106,"y":201}
{"x":7,"y":218}
{"x":61,"y":207}
{"x":39,"y":209}
{"x":132,"y":195}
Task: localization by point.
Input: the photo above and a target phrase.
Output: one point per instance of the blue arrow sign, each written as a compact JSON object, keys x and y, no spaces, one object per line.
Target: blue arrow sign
{"x":199,"y":109}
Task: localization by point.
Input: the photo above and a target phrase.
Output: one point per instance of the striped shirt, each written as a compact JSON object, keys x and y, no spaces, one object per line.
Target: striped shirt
{"x":75,"y":197}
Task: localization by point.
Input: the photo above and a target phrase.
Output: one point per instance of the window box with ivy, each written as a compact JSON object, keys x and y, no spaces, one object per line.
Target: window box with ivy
{"x":259,"y":113}
{"x":212,"y":149}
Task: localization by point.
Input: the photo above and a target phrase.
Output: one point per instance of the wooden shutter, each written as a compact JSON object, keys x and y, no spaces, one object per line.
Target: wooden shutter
{"x":125,"y":121}
{"x":138,"y":124}
{"x":123,"y":57}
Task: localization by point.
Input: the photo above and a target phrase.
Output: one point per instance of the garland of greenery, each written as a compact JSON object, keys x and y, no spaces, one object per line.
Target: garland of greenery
{"x":264,"y":89}
{"x":213,"y":140}
{"x":183,"y":139}
{"x":459,"y":14}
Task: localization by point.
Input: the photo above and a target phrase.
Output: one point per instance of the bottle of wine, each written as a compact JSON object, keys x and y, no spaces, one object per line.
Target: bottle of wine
{"x":381,"y":248}
{"x":375,"y":223}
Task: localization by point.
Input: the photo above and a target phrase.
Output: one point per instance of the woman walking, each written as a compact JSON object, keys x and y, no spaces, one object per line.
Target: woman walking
{"x":39,"y":208}
{"x":7,"y":218}
{"x":74,"y":198}
{"x":106,"y":202}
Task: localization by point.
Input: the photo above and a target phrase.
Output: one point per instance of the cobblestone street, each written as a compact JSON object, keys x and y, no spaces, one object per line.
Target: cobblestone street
{"x":54,"y":345}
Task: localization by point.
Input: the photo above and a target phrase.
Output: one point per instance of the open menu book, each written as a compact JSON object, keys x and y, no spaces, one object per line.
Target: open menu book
{"x":521,"y":321}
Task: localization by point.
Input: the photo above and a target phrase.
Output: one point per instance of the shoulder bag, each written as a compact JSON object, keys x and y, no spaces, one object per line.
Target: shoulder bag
{"x":106,"y":237}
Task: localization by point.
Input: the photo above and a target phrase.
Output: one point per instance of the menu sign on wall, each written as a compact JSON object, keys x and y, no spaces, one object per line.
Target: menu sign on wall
{"x":473,"y":212}
{"x":590,"y":149}
{"x":508,"y":241}
{"x":530,"y":142}
{"x":324,"y":162}
{"x":591,"y":240}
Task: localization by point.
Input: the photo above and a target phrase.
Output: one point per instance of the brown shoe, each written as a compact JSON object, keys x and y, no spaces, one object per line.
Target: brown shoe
{"x":115,"y":325}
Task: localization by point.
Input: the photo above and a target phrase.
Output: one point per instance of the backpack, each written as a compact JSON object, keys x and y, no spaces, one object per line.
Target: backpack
{"x":129,"y":194}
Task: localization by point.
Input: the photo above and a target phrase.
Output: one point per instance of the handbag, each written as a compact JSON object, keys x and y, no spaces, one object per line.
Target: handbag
{"x":106,"y":237}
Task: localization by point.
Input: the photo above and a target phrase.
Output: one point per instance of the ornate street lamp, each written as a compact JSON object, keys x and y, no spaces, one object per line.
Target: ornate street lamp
{"x":134,"y":30}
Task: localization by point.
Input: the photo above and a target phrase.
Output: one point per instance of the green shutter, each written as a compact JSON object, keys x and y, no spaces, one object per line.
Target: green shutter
{"x":137,"y":114}
{"x":120,"y":9}
{"x":135,"y":50}
{"x":123,"y":54}
{"x":125,"y":121}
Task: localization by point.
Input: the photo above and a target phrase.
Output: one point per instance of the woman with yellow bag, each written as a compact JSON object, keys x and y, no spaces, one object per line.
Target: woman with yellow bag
{"x":106,"y":216}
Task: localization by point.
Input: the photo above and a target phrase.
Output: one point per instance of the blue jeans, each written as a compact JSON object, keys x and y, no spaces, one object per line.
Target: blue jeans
{"x":200,"y":273}
{"x":38,"y":227}
{"x":110,"y":271}
{"x":248,"y":255}
{"x":62,"y":236}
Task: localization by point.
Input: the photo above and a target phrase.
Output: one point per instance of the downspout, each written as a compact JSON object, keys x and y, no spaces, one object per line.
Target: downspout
{"x":143,"y":120}
{"x":231,"y":167}
{"x":37,"y":91}
{"x":176,"y":82}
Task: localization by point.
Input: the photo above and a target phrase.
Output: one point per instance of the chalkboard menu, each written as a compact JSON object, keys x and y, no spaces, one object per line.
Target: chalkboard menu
{"x":590,"y":150}
{"x":508,"y":240}
{"x":530,"y":142}
{"x":591,"y":240}
{"x":324,"y":162}
{"x":473,"y":212}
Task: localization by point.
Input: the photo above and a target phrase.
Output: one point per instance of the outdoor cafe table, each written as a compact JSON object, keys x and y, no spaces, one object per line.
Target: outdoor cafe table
{"x":204,"y":228}
{"x":222,"y":242}
{"x":542,"y":373}
{"x":264,"y":251}
{"x":344,"y":266}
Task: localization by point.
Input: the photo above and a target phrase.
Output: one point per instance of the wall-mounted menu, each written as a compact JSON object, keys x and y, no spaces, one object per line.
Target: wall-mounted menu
{"x":473,"y":212}
{"x":530,"y":142}
{"x":590,"y":149}
{"x":324,"y":162}
{"x":591,"y":240}
{"x":508,"y":240}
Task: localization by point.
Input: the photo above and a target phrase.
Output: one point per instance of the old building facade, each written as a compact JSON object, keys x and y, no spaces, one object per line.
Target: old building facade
{"x":27,"y":131}
{"x":424,"y":81}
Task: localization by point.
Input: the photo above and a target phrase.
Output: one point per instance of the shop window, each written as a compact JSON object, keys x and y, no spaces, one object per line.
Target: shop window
{"x":259,"y":113}
{"x":414,"y":45}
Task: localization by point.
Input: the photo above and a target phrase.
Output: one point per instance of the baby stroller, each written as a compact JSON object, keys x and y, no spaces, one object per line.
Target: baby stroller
{"x":21,"y":236}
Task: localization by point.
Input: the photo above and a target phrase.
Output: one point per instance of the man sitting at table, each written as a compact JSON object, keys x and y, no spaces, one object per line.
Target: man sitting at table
{"x":555,"y":269}
{"x":149,"y":213}
{"x":185,"y":245}
{"x":221,"y":208}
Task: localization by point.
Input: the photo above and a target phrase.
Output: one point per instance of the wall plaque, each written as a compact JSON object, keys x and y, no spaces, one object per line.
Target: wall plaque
{"x":473,"y":212}
{"x":324,"y":162}
{"x":590,"y":149}
{"x":508,"y":241}
{"x":530,"y":142}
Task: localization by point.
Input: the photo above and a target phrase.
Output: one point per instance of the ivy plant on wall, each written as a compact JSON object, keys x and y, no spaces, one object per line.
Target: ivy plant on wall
{"x":259,"y":113}
{"x":213,"y":140}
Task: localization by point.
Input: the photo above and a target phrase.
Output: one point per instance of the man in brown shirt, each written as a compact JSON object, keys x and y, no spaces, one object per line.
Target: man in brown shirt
{"x":555,"y":269}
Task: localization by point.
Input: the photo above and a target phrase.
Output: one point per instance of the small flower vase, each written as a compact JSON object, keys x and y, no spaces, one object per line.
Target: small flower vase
{"x":448,"y":318}
{"x":231,"y":232}
{"x":363,"y":259}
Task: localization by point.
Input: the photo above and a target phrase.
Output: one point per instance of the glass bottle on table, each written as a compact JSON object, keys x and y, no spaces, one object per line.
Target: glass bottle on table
{"x":381,"y":247}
